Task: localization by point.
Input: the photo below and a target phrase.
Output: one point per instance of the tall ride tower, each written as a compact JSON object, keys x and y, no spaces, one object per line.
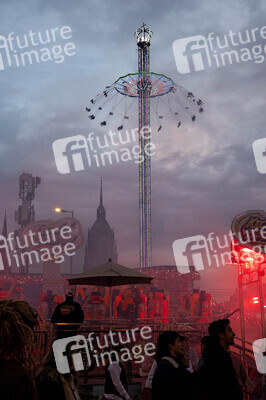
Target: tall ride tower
{"x":144,"y":87}
{"x":144,"y":36}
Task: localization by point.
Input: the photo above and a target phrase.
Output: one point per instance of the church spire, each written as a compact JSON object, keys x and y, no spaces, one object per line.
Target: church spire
{"x":4,"y":231}
{"x":101,"y":194}
{"x":101,"y":209}
{"x":4,"y":258}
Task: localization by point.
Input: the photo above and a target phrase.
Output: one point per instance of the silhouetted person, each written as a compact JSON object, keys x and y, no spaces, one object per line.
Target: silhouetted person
{"x":192,"y":355}
{"x":203,"y":343}
{"x":171,"y":379}
{"x":50,"y":384}
{"x":68,"y":312}
{"x":18,"y":320}
{"x":217,"y":376}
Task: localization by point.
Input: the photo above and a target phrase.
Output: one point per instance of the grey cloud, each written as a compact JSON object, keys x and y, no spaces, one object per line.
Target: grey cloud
{"x":202,"y":175}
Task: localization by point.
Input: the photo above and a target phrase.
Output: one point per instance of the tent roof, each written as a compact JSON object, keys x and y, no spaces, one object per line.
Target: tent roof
{"x":110,"y":274}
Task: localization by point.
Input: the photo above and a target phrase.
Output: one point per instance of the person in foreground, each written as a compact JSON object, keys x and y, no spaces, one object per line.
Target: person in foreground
{"x":217,"y":377}
{"x":115,"y":387}
{"x":51,"y":385}
{"x":171,"y":379}
{"x":17,"y":321}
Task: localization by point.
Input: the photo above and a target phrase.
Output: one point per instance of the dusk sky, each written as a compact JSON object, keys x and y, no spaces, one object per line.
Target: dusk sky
{"x":203,"y":174}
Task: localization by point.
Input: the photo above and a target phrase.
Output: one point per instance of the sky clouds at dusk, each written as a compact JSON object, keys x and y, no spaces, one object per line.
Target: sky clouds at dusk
{"x":203,"y":174}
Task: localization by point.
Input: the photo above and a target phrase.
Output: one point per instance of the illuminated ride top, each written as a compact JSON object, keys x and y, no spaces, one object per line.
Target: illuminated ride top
{"x":133,"y":84}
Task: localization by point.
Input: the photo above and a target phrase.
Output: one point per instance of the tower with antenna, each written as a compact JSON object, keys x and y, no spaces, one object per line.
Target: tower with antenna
{"x":25,"y":213}
{"x":27,"y":186}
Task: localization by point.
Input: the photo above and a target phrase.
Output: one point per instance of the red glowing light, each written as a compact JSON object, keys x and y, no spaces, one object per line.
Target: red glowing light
{"x":245,"y":257}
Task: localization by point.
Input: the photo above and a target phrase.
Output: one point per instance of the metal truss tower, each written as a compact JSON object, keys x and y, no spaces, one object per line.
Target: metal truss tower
{"x":26,"y":213}
{"x":144,"y":36}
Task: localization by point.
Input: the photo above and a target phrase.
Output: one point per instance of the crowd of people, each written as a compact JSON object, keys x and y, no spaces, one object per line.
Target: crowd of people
{"x":130,"y":304}
{"x":175,"y":372}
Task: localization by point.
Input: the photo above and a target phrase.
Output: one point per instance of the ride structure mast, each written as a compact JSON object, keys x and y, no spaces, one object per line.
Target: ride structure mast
{"x":144,"y":36}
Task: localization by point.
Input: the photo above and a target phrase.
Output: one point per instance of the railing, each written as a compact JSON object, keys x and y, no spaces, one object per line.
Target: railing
{"x":47,"y":333}
{"x":193,"y":331}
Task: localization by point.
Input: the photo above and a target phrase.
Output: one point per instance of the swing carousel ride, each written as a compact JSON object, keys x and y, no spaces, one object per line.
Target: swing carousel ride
{"x":141,"y":94}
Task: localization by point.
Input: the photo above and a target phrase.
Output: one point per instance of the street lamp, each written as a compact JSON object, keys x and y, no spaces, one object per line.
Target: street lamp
{"x":59,"y":210}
